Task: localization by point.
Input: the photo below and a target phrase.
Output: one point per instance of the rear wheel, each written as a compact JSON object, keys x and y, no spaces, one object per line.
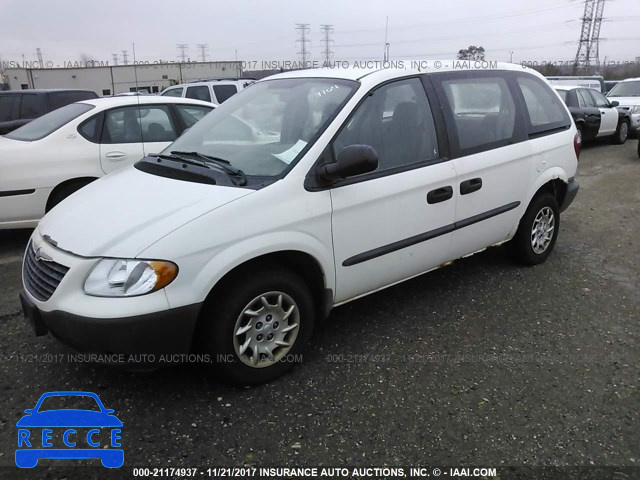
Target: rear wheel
{"x":622,"y":132}
{"x":257,"y":328}
{"x":537,"y":232}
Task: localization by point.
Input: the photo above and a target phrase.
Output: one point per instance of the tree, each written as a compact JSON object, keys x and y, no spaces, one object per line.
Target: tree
{"x":471,"y":53}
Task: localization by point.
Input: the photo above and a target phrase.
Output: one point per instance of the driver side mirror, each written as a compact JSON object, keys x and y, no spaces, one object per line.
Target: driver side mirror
{"x":614,"y":103}
{"x":352,"y":160}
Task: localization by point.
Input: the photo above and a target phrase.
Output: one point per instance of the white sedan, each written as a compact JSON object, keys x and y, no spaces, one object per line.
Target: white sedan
{"x":48,"y":159}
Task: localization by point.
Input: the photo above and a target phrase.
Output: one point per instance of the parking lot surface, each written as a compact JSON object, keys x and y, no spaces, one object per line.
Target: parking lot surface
{"x":480,"y":363}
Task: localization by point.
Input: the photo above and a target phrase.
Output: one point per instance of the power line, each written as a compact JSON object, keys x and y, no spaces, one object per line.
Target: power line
{"x":327,"y":53}
{"x":203,"y":50}
{"x":183,"y":47}
{"x":303,"y":30}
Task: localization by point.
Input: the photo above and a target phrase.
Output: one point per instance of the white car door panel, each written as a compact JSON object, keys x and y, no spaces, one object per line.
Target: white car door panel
{"x":384,"y":230}
{"x":608,"y":114}
{"x":389,"y":228}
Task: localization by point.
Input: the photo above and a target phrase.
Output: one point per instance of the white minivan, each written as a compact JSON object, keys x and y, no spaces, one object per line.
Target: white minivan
{"x":306,"y":191}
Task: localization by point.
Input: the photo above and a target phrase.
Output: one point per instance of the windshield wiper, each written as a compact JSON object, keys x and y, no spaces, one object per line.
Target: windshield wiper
{"x":182,"y":159}
{"x":221,"y":163}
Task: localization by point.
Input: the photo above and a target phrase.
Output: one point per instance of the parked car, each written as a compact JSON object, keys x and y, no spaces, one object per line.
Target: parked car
{"x":48,"y":159}
{"x":627,"y":94}
{"x":594,"y":115}
{"x":362,"y":179}
{"x":216,"y":91}
{"x":19,"y":107}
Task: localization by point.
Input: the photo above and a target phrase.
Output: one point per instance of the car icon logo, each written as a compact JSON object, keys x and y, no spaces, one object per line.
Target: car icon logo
{"x":90,"y":432}
{"x":40,"y":255}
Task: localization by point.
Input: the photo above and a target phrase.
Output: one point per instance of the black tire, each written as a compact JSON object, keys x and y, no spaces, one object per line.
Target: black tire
{"x":622,"y":133}
{"x":521,"y":246}
{"x":638,"y":148}
{"x":221,"y":314}
{"x":63,"y":191}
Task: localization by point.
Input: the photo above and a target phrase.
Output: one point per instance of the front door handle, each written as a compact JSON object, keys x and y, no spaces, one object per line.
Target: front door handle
{"x":440,"y":194}
{"x":470,"y":186}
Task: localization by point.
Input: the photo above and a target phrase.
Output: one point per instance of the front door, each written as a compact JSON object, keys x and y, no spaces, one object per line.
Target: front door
{"x":393,"y":223}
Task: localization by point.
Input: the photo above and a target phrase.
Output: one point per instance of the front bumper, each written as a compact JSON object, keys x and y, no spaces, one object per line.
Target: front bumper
{"x":168,"y":331}
{"x":570,"y":195}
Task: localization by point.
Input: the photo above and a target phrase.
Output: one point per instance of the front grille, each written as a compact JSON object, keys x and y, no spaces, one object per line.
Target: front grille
{"x":41,"y":276}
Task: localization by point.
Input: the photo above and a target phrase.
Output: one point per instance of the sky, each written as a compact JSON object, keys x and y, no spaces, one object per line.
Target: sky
{"x":253,"y":30}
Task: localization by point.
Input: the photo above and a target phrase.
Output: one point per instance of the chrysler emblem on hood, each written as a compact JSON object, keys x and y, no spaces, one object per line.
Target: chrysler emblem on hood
{"x":40,"y":255}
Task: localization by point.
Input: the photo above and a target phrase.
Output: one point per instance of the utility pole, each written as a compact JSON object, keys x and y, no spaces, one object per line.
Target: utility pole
{"x":385,"y":57}
{"x":125,"y":57}
{"x":115,"y":58}
{"x":183,"y":51}
{"x":40,"y":61}
{"x":203,"y":50}
{"x":327,"y":53}
{"x":303,"y":30}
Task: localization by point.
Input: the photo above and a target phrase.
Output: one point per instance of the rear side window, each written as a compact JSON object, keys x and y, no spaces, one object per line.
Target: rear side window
{"x":199,"y":93}
{"x":60,"y":99}
{"x":172,"y":92}
{"x":137,"y":124}
{"x":224,"y":92}
{"x":544,"y":109}
{"x":8,"y":107}
{"x":49,"y":123}
{"x":33,"y":106}
{"x":483,"y":111}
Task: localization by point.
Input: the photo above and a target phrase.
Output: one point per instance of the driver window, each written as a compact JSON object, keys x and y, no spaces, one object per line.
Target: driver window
{"x":395,"y":120}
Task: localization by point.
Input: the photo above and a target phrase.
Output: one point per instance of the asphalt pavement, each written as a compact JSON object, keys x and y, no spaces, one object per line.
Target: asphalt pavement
{"x":483,"y":363}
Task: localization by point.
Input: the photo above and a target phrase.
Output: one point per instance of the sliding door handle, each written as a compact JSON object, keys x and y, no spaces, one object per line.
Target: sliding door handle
{"x":470,"y":186}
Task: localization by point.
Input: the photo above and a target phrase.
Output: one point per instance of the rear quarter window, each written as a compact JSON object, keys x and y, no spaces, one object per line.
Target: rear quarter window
{"x":545,"y":111}
{"x":224,"y":92}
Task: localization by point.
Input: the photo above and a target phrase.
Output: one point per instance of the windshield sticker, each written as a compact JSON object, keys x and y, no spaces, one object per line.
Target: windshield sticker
{"x":288,"y":155}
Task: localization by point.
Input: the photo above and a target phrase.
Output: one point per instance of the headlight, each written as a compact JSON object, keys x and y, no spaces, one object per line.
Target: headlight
{"x":128,"y":278}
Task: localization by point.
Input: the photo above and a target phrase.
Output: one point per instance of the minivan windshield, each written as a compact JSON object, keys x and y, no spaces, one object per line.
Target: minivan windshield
{"x":625,"y":89}
{"x":264,"y":129}
{"x":49,"y":123}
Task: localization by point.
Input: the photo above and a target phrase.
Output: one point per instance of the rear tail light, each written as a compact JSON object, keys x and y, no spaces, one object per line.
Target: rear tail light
{"x":577,"y":143}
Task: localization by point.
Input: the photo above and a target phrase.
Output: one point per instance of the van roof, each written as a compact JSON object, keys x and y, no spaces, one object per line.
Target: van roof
{"x":378,"y":69}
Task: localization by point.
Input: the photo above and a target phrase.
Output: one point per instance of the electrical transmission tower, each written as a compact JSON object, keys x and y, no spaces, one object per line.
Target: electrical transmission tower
{"x":327,"y":53}
{"x":183,"y":51}
{"x":125,"y":57}
{"x":203,"y":50}
{"x":303,"y":30}
{"x":589,"y":44}
{"x":40,"y":61}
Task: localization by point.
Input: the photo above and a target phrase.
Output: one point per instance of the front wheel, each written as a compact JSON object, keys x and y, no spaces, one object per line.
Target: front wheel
{"x":537,"y":232}
{"x":622,"y":132}
{"x":259,"y":326}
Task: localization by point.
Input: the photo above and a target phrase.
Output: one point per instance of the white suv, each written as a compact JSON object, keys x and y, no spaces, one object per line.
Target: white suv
{"x":627,"y":94}
{"x":306,"y":191}
{"x":216,"y":91}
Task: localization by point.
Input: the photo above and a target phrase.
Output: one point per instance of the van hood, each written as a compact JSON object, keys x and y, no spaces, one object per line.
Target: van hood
{"x":122,"y":214}
{"x":626,"y":101}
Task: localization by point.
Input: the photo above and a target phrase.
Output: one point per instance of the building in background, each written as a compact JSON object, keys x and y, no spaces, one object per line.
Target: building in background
{"x":111,"y":80}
